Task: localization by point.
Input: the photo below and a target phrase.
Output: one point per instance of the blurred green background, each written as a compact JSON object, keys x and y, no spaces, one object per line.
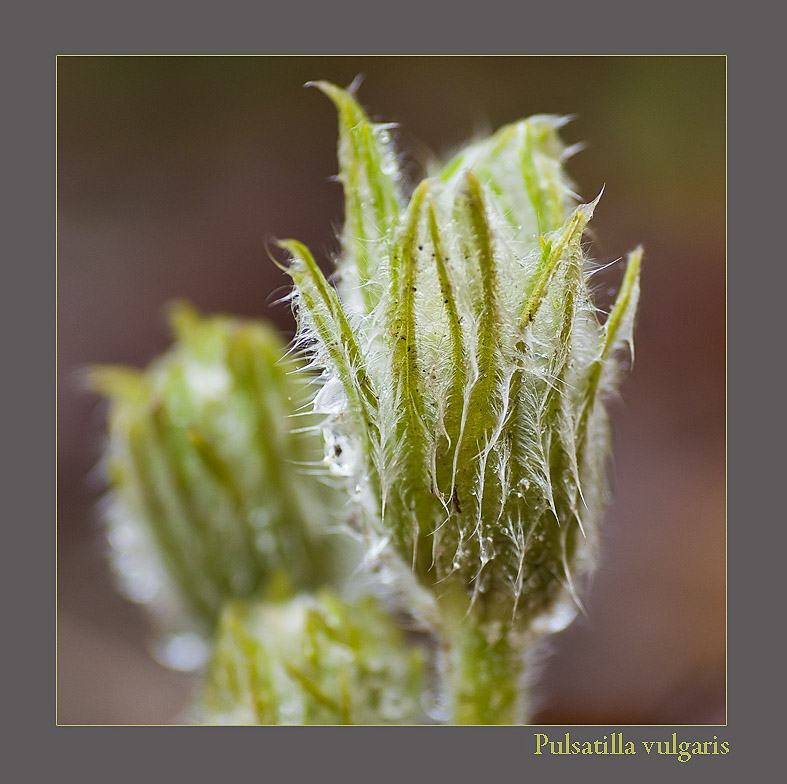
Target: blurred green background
{"x":173,"y":172}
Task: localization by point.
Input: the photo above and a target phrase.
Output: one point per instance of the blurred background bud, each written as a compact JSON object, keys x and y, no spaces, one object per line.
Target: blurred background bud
{"x":215,"y":481}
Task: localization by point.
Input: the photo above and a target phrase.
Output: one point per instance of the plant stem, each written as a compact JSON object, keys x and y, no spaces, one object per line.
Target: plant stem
{"x":484,"y":673}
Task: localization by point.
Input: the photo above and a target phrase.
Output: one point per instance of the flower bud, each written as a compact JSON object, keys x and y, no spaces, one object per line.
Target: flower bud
{"x":467,"y":366}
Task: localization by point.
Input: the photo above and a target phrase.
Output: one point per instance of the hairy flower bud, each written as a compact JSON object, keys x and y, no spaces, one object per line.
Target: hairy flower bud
{"x":311,"y":660}
{"x":466,"y":367}
{"x":208,"y":498}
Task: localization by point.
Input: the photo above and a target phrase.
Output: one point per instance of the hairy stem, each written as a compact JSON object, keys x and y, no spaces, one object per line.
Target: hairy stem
{"x":484,"y":666}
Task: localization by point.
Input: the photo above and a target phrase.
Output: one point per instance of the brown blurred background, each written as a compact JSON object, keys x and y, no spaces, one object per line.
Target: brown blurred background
{"x":174,"y":171}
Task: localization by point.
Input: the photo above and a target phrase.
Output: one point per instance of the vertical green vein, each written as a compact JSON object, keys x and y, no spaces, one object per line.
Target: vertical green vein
{"x":481,"y":415}
{"x":490,"y":322}
{"x":412,"y":438}
{"x":452,"y":420}
{"x":405,"y":349}
{"x":488,"y":330}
